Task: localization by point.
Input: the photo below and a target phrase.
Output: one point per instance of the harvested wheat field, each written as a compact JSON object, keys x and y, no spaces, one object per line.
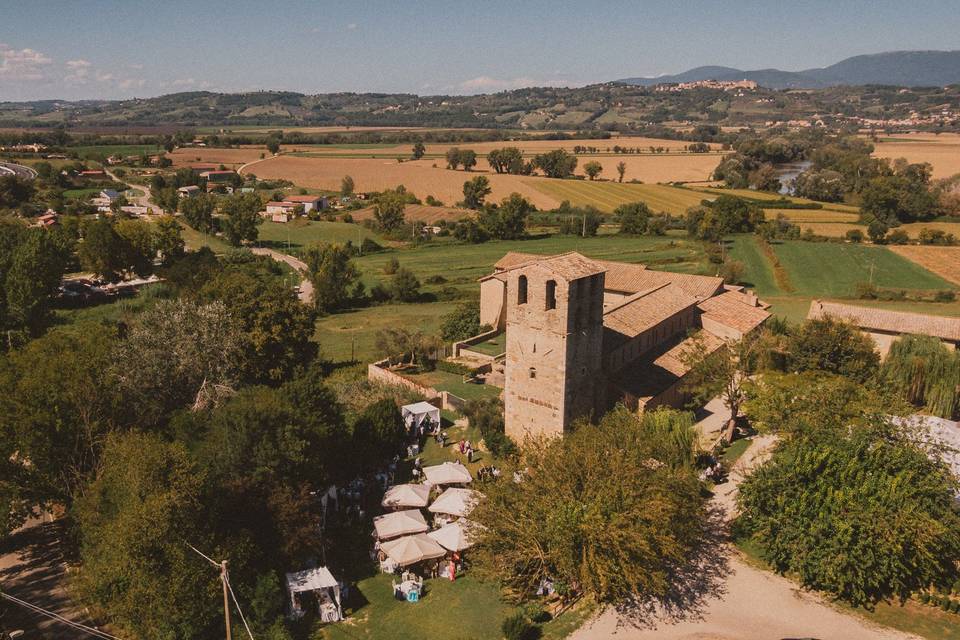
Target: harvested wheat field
{"x":812,"y":215}
{"x":942,"y":151}
{"x":655,"y":168}
{"x":230,"y":158}
{"x":838,"y":229}
{"x":943,"y":261}
{"x":419,"y":177}
{"x":419,"y":213}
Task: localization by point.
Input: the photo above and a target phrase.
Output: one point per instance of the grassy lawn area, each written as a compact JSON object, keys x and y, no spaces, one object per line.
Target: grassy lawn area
{"x":732,"y":453}
{"x":194,"y":240}
{"x":453,"y":382}
{"x":354,"y":332}
{"x":493,"y":346}
{"x":829,"y":269}
{"x":300,"y":234}
{"x":76,"y":194}
{"x":457,"y":610}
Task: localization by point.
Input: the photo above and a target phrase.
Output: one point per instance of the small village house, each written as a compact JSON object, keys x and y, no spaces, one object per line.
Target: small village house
{"x":188,"y":191}
{"x":310,"y":203}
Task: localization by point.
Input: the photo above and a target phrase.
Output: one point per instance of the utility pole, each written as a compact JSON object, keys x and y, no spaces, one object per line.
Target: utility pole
{"x":584,"y":225}
{"x":226,"y":596}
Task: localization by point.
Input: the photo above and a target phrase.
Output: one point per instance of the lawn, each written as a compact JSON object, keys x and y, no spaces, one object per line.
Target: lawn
{"x":351,"y":335}
{"x":833,"y":270}
{"x":759,"y":272}
{"x":76,"y":194}
{"x":607,"y":196}
{"x":453,"y":382}
{"x":301,"y":233}
{"x":493,"y":346}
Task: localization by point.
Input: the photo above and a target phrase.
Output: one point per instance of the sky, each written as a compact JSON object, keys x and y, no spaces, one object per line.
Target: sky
{"x":96,"y":49}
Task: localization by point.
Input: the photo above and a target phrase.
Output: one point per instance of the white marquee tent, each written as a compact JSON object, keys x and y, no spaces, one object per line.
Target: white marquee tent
{"x":407,"y":496}
{"x":412,"y":549}
{"x":400,"y":523}
{"x":419,"y":413}
{"x":447,"y":473}
{"x":319,"y":579}
{"x":455,"y":502}
{"x":456,"y":536}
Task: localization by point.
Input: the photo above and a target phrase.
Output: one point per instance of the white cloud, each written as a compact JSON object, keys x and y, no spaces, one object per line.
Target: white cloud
{"x":484,"y":84}
{"x":78,"y":64}
{"x":135,"y":65}
{"x":79,"y":71}
{"x":352,"y":26}
{"x":22,"y":64}
{"x":132,"y":83}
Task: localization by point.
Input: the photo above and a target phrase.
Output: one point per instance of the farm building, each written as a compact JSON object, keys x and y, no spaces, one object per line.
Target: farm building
{"x":885,"y":326}
{"x":310,"y":203}
{"x":219,"y":177}
{"x":188,"y":192}
{"x":583,"y":334}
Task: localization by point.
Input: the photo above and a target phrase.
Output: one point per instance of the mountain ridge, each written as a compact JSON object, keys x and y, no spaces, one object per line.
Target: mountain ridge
{"x":913,"y":68}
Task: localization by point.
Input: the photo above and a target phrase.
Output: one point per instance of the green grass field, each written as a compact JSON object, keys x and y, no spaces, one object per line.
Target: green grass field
{"x":759,"y":272}
{"x":607,"y":196}
{"x":762,"y":195}
{"x":453,"y":382}
{"x":115,"y":150}
{"x":76,"y":194}
{"x":833,"y":270}
{"x":303,"y":233}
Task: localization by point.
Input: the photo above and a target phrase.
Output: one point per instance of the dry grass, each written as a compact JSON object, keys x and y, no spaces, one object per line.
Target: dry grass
{"x":230,"y":158}
{"x":942,"y":151}
{"x":693,"y":167}
{"x":913,"y":229}
{"x":943,"y":261}
{"x":419,"y":177}
{"x":812,"y":215}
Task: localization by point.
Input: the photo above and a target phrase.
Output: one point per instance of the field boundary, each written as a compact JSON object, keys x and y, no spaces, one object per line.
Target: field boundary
{"x":780,"y":275}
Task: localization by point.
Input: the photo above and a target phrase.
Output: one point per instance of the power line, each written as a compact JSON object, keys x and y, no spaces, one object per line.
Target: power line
{"x":76,"y":625}
{"x":240,"y":611}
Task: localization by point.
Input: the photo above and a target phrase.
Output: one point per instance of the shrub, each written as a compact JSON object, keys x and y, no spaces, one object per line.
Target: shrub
{"x":436,"y":279}
{"x":925,"y":598}
{"x":898,"y":237}
{"x":517,"y":627}
{"x":369,"y":246}
{"x":393,"y":264}
{"x":946,"y":295}
{"x":854,"y":235}
{"x":455,"y":367}
{"x":347,"y":217}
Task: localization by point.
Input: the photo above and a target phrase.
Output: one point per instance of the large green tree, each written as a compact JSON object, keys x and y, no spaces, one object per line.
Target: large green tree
{"x":861,"y":512}
{"x":198,"y":211}
{"x":332,"y":273}
{"x":508,"y":220}
{"x":241,"y":217}
{"x":832,"y":345}
{"x":475,"y":192}
{"x":615,"y":510}
{"x":556,"y":164}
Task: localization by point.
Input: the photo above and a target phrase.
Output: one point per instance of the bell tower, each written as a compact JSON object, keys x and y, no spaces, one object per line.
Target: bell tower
{"x":554,"y":344}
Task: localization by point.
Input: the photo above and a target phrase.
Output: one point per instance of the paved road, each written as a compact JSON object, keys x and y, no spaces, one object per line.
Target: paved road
{"x":32,"y":569}
{"x":10,"y":169}
{"x":755,"y":604}
{"x":306,"y":287}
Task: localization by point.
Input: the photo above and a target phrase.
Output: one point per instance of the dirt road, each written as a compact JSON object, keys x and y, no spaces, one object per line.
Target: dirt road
{"x":757,"y":604}
{"x":306,"y":287}
{"x":140,"y":201}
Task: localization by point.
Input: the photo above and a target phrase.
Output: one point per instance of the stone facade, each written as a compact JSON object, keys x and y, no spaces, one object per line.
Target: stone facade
{"x":554,"y":324}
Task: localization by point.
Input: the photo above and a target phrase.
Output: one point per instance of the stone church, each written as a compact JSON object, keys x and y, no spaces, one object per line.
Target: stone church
{"x":583,"y":334}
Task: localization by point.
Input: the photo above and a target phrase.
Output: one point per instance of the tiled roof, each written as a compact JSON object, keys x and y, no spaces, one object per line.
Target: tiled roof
{"x":891,"y":321}
{"x":302,"y":198}
{"x":731,"y":309}
{"x":646,"y":309}
{"x":568,"y":266}
{"x":629,"y":277}
{"x":652,"y":376}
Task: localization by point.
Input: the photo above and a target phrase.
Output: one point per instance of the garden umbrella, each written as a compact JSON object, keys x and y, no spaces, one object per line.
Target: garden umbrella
{"x":412,"y":549}
{"x":456,"y":536}
{"x":407,"y":495}
{"x":455,"y":502}
{"x":399,"y":523}
{"x":447,"y":473}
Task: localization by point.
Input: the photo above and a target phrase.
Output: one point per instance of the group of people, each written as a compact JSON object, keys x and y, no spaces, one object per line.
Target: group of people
{"x":488,"y":473}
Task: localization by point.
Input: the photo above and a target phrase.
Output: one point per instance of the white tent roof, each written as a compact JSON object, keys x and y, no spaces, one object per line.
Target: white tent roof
{"x":456,"y":502}
{"x":400,"y":523}
{"x":456,"y":536}
{"x":310,"y":580}
{"x":447,"y":473}
{"x":407,"y":495}
{"x":414,"y":414}
{"x":419,"y":408}
{"x":412,"y":549}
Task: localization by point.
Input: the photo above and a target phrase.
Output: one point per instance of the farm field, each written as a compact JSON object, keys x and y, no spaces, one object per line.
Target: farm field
{"x":607,"y":196}
{"x":230,"y":158}
{"x":301,"y":233}
{"x":839,"y":229}
{"x":942,"y":151}
{"x":944,"y":261}
{"x":419,"y":177}
{"x":116,"y":150}
{"x":762,"y":195}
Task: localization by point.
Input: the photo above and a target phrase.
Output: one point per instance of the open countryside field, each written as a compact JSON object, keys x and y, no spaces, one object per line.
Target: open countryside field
{"x":839,"y":229}
{"x":231,"y":158}
{"x":944,"y":261}
{"x":607,"y":196}
{"x":419,"y":213}
{"x":763,"y":195}
{"x":942,"y":151}
{"x":419,"y":177}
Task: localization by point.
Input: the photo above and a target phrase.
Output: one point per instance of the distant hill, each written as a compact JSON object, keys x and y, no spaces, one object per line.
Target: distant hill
{"x":900,"y":68}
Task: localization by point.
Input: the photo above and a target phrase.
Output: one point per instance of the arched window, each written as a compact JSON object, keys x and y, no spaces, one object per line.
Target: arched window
{"x":551,"y":301}
{"x":522,"y":290}
{"x":533,"y":372}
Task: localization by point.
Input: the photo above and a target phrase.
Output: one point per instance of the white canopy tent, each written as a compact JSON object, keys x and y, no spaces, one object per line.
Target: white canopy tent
{"x":456,"y":536}
{"x":412,"y":549}
{"x":455,"y":502}
{"x":319,"y":579}
{"x":399,"y":523}
{"x":406,"y":495}
{"x":420,"y":413}
{"x":447,"y":473}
